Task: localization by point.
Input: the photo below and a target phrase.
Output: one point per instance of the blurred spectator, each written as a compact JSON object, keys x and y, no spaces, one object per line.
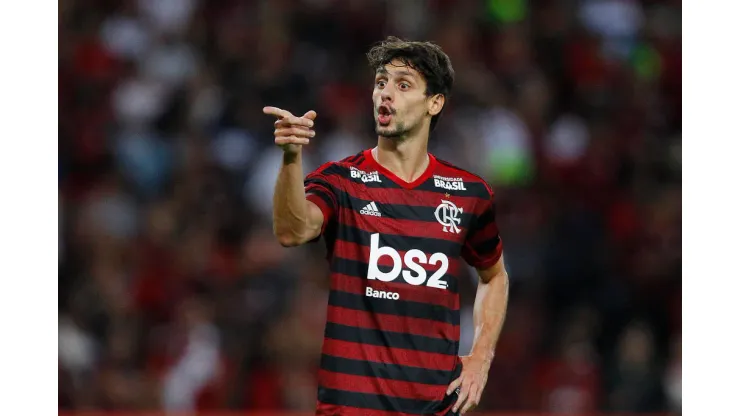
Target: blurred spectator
{"x":672,"y":378}
{"x":570,"y":381}
{"x":634,"y":379}
{"x":194,"y":362}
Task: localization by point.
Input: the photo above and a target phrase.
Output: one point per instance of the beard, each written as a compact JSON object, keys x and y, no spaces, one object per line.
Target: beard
{"x":393,"y":131}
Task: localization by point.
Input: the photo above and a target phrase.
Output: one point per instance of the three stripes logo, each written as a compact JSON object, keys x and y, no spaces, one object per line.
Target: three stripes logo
{"x":370,"y":209}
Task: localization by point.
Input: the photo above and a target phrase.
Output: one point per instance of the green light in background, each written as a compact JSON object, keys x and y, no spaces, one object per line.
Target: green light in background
{"x":507,"y":11}
{"x":646,"y":62}
{"x":512,"y":168}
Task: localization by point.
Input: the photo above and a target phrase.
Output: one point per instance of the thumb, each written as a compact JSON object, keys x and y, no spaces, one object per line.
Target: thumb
{"x":311,"y":115}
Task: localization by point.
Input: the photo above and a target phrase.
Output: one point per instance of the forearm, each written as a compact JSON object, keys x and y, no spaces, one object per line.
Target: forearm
{"x":290,"y":211}
{"x":488,"y":315}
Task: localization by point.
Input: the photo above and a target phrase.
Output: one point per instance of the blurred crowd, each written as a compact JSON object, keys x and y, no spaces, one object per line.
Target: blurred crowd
{"x":173,"y":293}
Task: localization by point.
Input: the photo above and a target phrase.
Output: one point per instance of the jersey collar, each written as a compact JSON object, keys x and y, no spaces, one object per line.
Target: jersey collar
{"x":392,"y":176}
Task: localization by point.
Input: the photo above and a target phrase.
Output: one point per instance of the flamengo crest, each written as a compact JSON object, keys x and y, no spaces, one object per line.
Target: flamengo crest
{"x":447,"y":214}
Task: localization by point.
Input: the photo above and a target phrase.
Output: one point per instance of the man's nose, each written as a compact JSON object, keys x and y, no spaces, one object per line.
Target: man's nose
{"x":386,"y":95}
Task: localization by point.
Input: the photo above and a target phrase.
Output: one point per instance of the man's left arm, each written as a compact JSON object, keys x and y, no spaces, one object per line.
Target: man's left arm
{"x":490,"y":309}
{"x":489,"y":312}
{"x":483,"y":250}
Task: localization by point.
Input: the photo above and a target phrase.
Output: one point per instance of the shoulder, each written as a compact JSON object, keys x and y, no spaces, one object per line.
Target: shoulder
{"x":338,"y":166}
{"x":477,"y":183}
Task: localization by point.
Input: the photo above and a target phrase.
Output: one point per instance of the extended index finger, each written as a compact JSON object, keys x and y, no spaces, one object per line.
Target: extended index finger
{"x":294,"y":121}
{"x":277,"y":112}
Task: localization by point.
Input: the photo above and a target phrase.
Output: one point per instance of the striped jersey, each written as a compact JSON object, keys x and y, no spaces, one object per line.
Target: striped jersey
{"x":397,"y":251}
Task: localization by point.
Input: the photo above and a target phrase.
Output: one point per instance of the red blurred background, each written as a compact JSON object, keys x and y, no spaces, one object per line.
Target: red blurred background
{"x":174,"y":294}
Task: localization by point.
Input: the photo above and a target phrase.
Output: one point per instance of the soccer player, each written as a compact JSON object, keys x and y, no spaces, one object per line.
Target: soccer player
{"x":398,"y":224}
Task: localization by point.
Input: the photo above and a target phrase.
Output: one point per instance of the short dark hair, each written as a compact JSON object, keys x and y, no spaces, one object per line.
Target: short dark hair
{"x":426,"y":57}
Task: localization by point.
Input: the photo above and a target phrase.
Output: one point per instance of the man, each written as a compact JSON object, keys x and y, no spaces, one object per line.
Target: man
{"x":398,"y":224}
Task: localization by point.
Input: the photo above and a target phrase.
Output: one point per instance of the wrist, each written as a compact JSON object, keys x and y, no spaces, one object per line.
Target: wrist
{"x":483,"y":355}
{"x":291,"y":156}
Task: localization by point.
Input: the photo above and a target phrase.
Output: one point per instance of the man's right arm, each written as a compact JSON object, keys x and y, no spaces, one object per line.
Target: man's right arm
{"x":295,"y":219}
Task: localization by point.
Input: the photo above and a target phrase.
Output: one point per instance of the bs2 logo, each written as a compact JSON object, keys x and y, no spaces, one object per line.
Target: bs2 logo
{"x":409,"y":268}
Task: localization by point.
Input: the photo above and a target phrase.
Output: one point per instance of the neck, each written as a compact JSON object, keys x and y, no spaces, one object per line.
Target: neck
{"x":407,"y":159}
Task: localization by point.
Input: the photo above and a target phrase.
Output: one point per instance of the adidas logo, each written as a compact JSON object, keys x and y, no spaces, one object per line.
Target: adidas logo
{"x":370,"y":209}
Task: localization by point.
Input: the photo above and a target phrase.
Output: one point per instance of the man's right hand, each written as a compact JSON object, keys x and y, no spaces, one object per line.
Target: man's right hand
{"x":292,"y":132}
{"x":295,"y":219}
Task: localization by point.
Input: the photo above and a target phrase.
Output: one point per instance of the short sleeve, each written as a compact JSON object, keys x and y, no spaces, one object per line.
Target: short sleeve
{"x":483,"y":245}
{"x":321,"y":189}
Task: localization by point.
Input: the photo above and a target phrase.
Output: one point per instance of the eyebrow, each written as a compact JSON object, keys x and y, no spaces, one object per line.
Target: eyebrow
{"x":384,"y":71}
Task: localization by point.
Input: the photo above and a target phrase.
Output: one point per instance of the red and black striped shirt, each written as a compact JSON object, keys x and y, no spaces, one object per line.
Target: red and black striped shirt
{"x":396,"y":252}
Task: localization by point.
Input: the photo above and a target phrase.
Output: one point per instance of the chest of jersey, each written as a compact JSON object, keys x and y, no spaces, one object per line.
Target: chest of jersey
{"x":410,"y":213}
{"x":405,"y":235}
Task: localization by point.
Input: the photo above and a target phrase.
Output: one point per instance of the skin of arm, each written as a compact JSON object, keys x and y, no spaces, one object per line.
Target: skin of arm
{"x":295,"y":219}
{"x":489,"y":311}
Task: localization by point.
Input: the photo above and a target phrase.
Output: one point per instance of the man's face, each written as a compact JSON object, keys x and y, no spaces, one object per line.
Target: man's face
{"x":399,"y":100}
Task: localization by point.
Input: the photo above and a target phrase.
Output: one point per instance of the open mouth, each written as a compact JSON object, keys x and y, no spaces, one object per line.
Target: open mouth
{"x":384,"y":115}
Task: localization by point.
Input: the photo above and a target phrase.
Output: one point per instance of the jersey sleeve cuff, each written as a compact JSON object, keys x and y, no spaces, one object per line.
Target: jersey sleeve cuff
{"x":490,"y":261}
{"x":325,"y":209}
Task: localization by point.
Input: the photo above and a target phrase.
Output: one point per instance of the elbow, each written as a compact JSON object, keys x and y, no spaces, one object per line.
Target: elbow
{"x":288,"y":239}
{"x":289,"y":242}
{"x":291,"y":235}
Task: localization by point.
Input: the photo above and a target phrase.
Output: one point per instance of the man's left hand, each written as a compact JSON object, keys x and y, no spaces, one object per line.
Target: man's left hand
{"x":471,"y":382}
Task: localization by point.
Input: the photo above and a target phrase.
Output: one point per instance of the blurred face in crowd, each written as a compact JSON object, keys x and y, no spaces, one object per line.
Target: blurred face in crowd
{"x":401,"y":104}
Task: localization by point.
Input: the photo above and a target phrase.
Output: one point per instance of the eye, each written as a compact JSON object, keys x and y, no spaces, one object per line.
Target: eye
{"x":380,"y":83}
{"x":404,"y":86}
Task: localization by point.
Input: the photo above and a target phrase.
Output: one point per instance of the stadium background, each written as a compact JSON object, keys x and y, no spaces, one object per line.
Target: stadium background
{"x":175,"y":296}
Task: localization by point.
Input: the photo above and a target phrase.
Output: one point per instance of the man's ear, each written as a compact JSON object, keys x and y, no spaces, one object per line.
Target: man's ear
{"x":435,"y":104}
